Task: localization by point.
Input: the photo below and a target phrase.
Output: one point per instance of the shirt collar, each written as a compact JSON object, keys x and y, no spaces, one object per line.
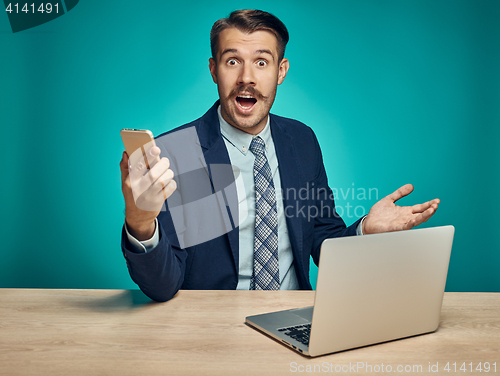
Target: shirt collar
{"x":239,"y":139}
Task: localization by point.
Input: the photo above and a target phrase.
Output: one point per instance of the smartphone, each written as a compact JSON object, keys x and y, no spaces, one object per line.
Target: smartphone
{"x":134,"y":139}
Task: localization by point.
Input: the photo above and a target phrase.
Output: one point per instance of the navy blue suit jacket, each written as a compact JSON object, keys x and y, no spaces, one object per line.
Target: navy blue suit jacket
{"x":212,"y":265}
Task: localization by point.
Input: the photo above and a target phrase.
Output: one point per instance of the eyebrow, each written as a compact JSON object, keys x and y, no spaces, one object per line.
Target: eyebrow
{"x":228,"y":50}
{"x":265,"y":52}
{"x":258,"y":52}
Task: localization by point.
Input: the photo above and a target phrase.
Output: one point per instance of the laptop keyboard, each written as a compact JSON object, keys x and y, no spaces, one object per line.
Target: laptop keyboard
{"x":299,"y":333}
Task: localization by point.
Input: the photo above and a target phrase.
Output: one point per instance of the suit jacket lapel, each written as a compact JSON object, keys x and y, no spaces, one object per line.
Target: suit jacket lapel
{"x":291,"y":180}
{"x":214,"y":153}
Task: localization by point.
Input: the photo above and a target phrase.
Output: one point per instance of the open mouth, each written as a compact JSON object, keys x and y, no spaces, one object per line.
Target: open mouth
{"x":246,"y":102}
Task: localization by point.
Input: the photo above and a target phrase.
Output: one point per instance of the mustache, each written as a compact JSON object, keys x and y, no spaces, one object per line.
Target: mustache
{"x":247,"y":89}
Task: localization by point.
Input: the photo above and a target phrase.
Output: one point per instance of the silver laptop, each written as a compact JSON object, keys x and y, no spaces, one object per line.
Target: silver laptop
{"x":370,"y":289}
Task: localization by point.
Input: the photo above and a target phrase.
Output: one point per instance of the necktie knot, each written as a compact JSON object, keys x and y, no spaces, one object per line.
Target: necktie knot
{"x":257,"y":146}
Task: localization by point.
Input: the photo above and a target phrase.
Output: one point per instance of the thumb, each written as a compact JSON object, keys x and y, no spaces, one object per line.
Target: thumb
{"x":401,"y":192}
{"x":124,"y":165}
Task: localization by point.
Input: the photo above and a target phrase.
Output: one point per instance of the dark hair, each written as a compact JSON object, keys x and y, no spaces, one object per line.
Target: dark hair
{"x":249,"y":21}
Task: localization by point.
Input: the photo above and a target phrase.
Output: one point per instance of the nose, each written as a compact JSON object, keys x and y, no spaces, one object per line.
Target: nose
{"x":246,"y":76}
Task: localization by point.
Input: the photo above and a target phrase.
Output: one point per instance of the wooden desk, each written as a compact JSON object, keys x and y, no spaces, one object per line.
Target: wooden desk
{"x":116,"y":332}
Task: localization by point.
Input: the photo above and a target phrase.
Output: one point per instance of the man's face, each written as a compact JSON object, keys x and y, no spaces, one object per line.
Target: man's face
{"x":247,"y":74}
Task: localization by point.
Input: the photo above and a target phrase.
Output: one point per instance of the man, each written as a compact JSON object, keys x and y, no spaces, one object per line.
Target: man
{"x":270,"y":249}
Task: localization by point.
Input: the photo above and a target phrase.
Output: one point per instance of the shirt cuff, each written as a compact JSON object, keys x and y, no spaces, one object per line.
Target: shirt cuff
{"x":359,"y":229}
{"x":146,"y":245}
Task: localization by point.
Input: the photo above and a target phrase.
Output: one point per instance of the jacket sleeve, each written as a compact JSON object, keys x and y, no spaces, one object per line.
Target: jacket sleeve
{"x":159,"y":273}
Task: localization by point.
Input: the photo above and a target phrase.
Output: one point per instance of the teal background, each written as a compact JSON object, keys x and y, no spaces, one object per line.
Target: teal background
{"x":396,"y":91}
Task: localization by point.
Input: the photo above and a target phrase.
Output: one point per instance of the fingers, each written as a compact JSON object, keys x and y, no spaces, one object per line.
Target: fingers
{"x":162,"y":181}
{"x":420,"y":208}
{"x":168,"y":189}
{"x":422,"y":217}
{"x":153,"y":199}
{"x":405,"y":190}
{"x":160,"y":171}
{"x":124,"y":166}
{"x":154,"y":156}
{"x":143,"y":180}
{"x":145,"y":157}
{"x":150,"y":188}
{"x":141,"y":167}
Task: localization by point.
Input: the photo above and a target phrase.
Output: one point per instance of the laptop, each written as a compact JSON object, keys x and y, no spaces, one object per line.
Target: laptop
{"x":370,"y":289}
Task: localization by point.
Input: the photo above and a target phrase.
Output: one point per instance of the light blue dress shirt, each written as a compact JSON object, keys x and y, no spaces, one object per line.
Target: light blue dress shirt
{"x":237,"y":144}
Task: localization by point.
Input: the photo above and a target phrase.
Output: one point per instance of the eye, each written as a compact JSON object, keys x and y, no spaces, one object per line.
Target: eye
{"x":262,"y":63}
{"x":231,"y":62}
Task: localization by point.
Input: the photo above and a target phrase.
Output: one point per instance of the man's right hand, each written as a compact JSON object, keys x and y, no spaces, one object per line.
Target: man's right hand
{"x":145,"y":190}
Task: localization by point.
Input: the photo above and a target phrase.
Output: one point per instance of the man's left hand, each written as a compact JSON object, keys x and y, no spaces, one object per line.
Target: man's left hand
{"x":386,"y":216}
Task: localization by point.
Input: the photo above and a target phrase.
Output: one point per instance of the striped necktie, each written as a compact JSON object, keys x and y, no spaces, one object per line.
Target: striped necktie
{"x":265,"y":266}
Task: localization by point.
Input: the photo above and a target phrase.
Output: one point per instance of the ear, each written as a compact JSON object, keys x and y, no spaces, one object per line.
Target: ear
{"x":283,"y":70}
{"x":212,"y":65}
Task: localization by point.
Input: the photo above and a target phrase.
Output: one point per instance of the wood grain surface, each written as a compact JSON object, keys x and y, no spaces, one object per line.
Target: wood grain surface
{"x":121,"y":332}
